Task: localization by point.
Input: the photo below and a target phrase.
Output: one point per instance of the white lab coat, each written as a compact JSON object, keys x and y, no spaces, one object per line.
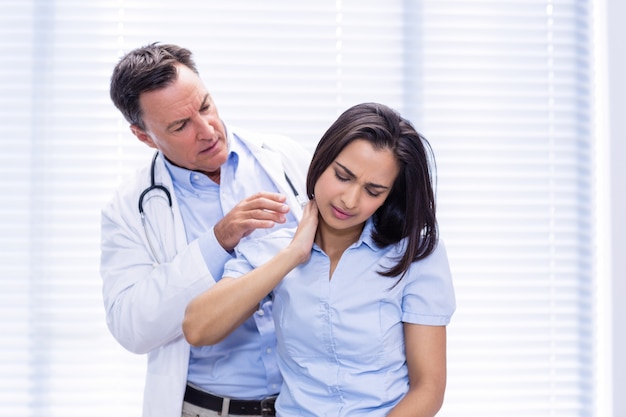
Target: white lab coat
{"x":145,"y":301}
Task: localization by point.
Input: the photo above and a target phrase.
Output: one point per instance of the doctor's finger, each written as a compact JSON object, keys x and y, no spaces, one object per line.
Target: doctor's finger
{"x":266,"y":204}
{"x":267,"y":196}
{"x":266,"y":215}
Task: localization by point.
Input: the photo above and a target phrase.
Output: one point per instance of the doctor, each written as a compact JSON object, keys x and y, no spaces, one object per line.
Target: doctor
{"x":167,"y":234}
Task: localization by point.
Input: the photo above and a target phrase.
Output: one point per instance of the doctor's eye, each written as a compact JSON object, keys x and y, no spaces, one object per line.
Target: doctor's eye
{"x":181,"y":127}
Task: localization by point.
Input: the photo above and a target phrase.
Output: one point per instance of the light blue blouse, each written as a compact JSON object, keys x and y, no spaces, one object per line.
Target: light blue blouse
{"x":340,"y":341}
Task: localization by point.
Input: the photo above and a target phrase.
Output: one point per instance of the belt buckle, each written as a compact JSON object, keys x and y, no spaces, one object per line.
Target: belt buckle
{"x":267,"y":406}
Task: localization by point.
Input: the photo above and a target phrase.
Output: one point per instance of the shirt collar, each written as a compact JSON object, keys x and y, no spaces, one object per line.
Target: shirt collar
{"x":364,"y":238}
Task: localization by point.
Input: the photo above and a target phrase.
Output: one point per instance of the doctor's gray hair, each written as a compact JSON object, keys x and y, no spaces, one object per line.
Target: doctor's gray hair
{"x":144,"y":69}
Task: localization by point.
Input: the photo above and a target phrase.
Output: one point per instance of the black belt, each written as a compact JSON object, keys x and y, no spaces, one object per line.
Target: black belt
{"x":264,"y":407}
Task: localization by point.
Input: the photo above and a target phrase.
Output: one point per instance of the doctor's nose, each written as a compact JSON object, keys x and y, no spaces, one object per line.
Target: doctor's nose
{"x":206,"y":129}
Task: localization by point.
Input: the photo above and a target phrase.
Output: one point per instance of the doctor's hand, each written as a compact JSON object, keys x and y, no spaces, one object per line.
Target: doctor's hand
{"x":260,"y":211}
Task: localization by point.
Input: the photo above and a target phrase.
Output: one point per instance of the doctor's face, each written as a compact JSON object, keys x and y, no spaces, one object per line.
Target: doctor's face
{"x":182,"y":122}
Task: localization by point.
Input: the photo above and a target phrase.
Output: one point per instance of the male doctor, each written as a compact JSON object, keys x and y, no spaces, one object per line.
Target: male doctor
{"x":167,"y":233}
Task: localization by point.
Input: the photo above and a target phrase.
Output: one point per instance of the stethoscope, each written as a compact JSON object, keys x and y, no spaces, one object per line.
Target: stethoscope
{"x":142,"y":198}
{"x":168,"y":196}
{"x":153,"y":186}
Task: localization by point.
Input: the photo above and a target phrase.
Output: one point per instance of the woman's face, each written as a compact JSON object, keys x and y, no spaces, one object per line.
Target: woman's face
{"x":354,"y":186}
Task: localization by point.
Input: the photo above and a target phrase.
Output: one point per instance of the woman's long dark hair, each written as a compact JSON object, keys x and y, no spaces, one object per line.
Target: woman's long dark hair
{"x":409,"y":210}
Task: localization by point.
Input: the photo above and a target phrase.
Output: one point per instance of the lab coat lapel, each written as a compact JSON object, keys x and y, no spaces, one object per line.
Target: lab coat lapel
{"x":272,"y":164}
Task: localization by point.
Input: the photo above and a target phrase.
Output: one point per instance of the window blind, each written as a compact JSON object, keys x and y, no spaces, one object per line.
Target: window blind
{"x":506,"y":93}
{"x":500,"y":88}
{"x":15,"y":219}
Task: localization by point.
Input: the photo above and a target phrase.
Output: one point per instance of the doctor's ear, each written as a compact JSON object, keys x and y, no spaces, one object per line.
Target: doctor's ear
{"x":142,"y":135}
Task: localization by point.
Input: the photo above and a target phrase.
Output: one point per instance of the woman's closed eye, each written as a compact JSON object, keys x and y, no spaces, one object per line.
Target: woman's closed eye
{"x":372,"y":191}
{"x":340,"y":177}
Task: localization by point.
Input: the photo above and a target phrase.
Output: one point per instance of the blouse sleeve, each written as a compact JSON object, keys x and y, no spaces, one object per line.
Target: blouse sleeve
{"x":428,"y":297}
{"x":252,"y":253}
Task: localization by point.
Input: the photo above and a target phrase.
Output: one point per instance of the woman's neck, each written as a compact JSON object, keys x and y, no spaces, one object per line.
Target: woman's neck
{"x":334,"y":242}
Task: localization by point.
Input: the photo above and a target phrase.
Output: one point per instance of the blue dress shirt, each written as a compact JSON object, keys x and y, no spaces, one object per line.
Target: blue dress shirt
{"x":340,"y":340}
{"x":244,"y":364}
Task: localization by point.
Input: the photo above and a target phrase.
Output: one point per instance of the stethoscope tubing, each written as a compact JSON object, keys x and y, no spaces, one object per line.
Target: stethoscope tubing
{"x":153,"y":186}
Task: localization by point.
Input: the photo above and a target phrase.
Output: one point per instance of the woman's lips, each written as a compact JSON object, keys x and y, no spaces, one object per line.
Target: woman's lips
{"x":341,"y":215}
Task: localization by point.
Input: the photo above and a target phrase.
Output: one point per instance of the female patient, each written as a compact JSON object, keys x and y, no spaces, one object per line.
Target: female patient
{"x":361,"y":290}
